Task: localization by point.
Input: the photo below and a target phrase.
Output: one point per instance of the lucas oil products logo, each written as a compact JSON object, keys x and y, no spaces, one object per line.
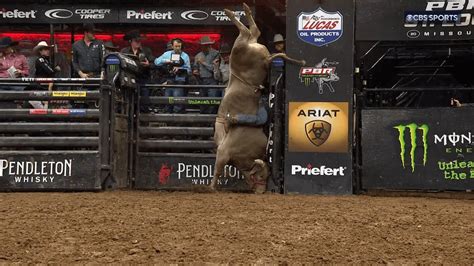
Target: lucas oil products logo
{"x":320,"y":27}
{"x":415,"y":134}
{"x":318,"y":127}
{"x":323,"y":74}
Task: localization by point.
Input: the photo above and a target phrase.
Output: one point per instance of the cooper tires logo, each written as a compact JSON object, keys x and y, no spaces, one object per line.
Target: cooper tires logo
{"x":58,"y":13}
{"x":194,"y":15}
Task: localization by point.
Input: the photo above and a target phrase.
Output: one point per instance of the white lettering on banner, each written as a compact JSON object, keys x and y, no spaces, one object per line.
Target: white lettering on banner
{"x":27,"y":168}
{"x":92,"y":13}
{"x":454,"y":139}
{"x":18,"y":14}
{"x":317,"y":171}
{"x":205,"y":171}
{"x":220,"y":15}
{"x":34,"y":179}
{"x":466,"y":19}
{"x":132,"y":14}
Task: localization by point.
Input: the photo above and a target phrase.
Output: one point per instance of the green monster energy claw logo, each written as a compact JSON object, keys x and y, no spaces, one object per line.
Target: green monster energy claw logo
{"x":412,"y":130}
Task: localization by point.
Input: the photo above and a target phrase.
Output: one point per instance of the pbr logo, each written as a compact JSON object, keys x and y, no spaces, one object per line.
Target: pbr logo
{"x":319,"y":27}
{"x":323,"y":73}
{"x":413,"y":129}
{"x":318,"y":131}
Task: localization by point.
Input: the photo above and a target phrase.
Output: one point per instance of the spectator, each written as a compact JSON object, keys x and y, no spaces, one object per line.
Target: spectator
{"x":110,"y":47}
{"x":278,"y":64}
{"x":178,"y":68}
{"x":144,"y":56}
{"x":43,"y":67}
{"x":17,"y":63}
{"x":204,"y":69}
{"x":221,"y":65}
{"x":88,"y":54}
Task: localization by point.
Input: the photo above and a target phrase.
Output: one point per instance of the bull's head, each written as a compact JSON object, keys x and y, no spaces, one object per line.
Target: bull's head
{"x":258,"y":176}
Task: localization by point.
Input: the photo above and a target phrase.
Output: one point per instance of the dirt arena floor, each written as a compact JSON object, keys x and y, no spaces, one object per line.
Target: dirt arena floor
{"x":164,"y":227}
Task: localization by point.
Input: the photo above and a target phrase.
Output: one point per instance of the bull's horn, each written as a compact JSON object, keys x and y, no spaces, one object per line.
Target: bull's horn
{"x":260,"y":162}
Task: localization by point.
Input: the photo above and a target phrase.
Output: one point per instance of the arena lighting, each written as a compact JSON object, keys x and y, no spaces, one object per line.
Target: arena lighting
{"x":186,"y":37}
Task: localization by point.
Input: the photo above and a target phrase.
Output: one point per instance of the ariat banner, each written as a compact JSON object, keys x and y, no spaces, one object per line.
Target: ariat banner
{"x":318,"y":127}
{"x":418,"y":149}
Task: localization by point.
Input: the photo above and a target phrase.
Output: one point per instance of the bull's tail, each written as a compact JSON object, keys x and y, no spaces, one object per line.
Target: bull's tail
{"x":286,"y":58}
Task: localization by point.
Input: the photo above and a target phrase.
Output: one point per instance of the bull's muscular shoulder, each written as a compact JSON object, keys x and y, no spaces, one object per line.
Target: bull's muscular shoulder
{"x":236,"y":101}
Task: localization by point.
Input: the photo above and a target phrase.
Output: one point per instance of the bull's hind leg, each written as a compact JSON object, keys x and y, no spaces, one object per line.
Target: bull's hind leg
{"x":254,"y":31}
{"x":244,"y":32}
{"x":222,"y":158}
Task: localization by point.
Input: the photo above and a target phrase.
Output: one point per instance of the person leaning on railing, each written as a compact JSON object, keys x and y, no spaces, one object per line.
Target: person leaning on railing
{"x":44,"y":69}
{"x":12,"y":64}
{"x":178,"y":68}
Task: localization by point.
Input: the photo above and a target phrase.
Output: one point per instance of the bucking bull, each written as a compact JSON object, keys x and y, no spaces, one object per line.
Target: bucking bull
{"x":244,"y":146}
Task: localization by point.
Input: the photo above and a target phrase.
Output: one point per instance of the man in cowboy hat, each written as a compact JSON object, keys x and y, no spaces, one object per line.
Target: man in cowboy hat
{"x":146,"y":58}
{"x":88,"y":53}
{"x":278,"y":64}
{"x":17,"y":63}
{"x":110,"y":47}
{"x":204,"y":69}
{"x":221,"y":65}
{"x":44,"y":68}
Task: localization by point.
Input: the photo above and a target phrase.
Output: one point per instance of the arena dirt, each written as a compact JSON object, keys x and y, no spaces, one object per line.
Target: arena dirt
{"x":163,"y":227}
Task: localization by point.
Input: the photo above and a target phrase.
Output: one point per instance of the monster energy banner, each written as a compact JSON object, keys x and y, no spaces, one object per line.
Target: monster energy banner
{"x":418,"y":149}
{"x":319,"y":97}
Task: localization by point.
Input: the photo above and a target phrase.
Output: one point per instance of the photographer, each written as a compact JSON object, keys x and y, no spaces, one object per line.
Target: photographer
{"x":178,"y":68}
{"x":145,"y":56}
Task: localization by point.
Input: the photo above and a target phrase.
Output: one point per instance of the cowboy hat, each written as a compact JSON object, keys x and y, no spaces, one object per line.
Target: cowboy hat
{"x":278,"y":38}
{"x":134,"y":34}
{"x":7,"y":42}
{"x":205,"y":40}
{"x":89,"y":27}
{"x":225,"y":49}
{"x":110,"y":46}
{"x":41,"y":45}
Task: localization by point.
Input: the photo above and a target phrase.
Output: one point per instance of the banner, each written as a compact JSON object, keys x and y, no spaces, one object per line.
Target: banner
{"x":318,"y":157}
{"x":49,"y":170}
{"x":425,"y":149}
{"x":414,"y":20}
{"x":34,"y":14}
{"x":156,"y":172}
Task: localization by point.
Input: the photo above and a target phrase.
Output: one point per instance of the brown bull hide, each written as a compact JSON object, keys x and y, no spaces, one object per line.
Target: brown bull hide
{"x":244,"y":146}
